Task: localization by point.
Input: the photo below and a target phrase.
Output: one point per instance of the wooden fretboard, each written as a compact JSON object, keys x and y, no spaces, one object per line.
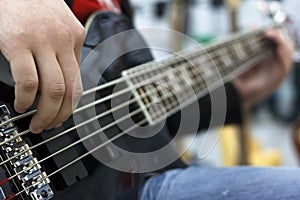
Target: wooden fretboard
{"x":163,"y":87}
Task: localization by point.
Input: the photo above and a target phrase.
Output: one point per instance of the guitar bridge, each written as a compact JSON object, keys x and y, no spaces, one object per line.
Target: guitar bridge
{"x":22,"y":165}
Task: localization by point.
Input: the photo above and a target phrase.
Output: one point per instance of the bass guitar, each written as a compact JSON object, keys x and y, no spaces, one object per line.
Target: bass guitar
{"x":96,"y":154}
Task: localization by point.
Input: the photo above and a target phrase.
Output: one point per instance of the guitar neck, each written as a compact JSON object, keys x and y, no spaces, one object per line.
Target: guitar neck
{"x":164,"y":87}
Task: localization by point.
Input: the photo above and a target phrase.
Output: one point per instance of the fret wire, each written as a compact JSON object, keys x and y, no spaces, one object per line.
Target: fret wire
{"x":161,"y":97}
{"x":179,"y":59}
{"x":249,"y":43}
{"x":148,"y":93}
{"x":232,"y":56}
{"x":254,"y":55}
{"x":190,"y":67}
{"x":202,"y":84}
{"x":222,"y":69}
{"x":231,"y":52}
{"x":170,"y":100}
{"x":192,"y":71}
{"x":182,"y":81}
{"x":225,"y":70}
{"x":209,"y":52}
{"x":196,"y":76}
{"x":155,"y":94}
{"x":231,"y":43}
{"x":154,"y":108}
{"x":199,"y":77}
{"x":173,"y":104}
{"x":200,"y":70}
{"x":143,"y":88}
{"x":166,"y":104}
{"x":240,"y":37}
{"x":164,"y":91}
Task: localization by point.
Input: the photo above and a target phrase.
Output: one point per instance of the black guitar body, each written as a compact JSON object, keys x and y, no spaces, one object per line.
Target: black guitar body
{"x":89,"y":178}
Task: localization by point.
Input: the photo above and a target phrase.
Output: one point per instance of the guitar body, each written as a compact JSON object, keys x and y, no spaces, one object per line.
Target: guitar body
{"x":89,"y":178}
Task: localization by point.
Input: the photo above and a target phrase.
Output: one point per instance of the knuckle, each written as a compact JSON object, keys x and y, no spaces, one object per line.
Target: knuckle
{"x":66,"y":35}
{"x":29,"y":83}
{"x":57,"y":90}
{"x":64,"y":32}
{"x":80,"y":33}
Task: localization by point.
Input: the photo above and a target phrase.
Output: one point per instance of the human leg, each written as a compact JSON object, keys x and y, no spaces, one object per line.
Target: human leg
{"x":224,"y":183}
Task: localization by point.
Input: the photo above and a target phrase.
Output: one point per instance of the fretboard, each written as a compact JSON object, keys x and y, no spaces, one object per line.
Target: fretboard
{"x":163,"y":87}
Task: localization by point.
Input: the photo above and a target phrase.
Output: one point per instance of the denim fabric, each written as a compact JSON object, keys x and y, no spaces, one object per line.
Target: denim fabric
{"x":240,"y":183}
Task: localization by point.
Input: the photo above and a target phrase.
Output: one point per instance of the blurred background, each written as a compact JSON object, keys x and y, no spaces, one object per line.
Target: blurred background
{"x":271,"y":131}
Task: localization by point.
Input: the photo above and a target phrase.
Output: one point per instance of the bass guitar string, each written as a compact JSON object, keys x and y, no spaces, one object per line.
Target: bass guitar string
{"x":92,"y":134}
{"x":103,"y":114}
{"x":101,"y":100}
{"x":124,"y":79}
{"x":137,"y":111}
{"x":95,"y":133}
{"x":123,"y":105}
{"x":45,"y":141}
{"x":84,"y":155}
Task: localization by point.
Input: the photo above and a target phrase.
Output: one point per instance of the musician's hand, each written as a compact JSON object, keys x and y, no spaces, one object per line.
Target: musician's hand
{"x":263,"y":79}
{"x":42,"y":40}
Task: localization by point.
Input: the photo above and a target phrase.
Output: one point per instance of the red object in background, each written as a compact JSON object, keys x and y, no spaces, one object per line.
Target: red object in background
{"x":83,"y":8}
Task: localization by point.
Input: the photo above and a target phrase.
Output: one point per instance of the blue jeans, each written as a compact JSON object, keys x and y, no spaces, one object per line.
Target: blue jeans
{"x":240,"y":183}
